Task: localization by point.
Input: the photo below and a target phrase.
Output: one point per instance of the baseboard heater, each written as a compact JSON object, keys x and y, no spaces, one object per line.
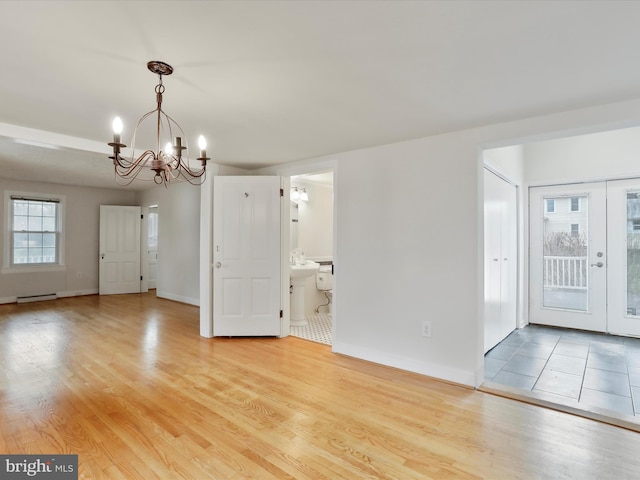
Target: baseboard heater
{"x":37,"y":298}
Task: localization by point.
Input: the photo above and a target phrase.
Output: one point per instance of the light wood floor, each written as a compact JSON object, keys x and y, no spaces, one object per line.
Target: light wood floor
{"x":127,"y":383}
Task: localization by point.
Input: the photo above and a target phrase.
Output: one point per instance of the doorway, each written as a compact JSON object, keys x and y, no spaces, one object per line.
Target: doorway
{"x":585,"y":256}
{"x":311,"y":233}
{"x":152,"y":247}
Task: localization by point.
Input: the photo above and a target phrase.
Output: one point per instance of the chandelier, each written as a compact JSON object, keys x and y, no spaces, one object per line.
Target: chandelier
{"x":161,"y":166}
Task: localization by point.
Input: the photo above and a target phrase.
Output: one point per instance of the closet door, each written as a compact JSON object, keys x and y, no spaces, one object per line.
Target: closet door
{"x":500,"y":260}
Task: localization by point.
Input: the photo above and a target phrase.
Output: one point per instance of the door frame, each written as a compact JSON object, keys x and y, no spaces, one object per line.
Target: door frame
{"x":595,"y":317}
{"x":206,"y":240}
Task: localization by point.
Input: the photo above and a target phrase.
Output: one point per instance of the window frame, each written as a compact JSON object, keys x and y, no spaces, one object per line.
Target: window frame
{"x":7,"y":265}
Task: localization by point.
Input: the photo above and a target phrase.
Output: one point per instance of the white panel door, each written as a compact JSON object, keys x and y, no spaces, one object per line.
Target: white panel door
{"x":623,"y":265}
{"x":568,"y":246}
{"x":152,"y":247}
{"x":500,"y":259}
{"x":246,"y":256}
{"x":119,"y":249}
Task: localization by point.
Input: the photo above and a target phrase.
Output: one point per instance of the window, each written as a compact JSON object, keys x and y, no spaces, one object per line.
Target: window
{"x":575,"y":229}
{"x":550,"y":204}
{"x":35,"y":233}
{"x":575,"y":204}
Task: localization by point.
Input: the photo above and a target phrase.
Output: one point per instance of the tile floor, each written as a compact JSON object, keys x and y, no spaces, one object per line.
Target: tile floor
{"x":596,"y":370}
{"x":318,"y":329}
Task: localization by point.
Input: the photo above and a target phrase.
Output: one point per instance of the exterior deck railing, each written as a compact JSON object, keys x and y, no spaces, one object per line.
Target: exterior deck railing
{"x":565,"y":272}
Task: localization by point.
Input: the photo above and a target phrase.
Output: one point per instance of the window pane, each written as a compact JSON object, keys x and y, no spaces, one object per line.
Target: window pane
{"x":49,"y":209}
{"x":633,"y":254}
{"x":20,"y":240}
{"x":49,"y":224}
{"x":35,"y":255}
{"x":20,"y":255}
{"x":575,"y":204}
{"x":35,"y":240}
{"x":551,"y":205}
{"x":565,"y":267}
{"x":20,"y":222}
{"x":20,"y":207}
{"x":35,"y":223}
{"x":48,"y":239}
{"x":48,"y":255}
{"x":35,"y":209}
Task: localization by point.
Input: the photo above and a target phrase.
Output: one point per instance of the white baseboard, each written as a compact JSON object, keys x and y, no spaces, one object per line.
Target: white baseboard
{"x":453,"y":375}
{"x":78,"y":293}
{"x":178,"y":298}
{"x":71,"y":293}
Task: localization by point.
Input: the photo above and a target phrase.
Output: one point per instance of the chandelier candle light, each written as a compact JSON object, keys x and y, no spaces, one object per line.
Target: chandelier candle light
{"x":168,"y":164}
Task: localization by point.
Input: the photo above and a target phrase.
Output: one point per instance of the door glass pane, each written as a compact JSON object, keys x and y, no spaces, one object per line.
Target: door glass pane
{"x":565,"y":268}
{"x":633,"y":253}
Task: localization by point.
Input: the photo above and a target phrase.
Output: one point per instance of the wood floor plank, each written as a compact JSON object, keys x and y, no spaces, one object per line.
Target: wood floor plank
{"x":127,"y":383}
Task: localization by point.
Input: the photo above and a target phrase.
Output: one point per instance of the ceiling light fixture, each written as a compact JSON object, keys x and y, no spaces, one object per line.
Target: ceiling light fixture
{"x":165,"y":165}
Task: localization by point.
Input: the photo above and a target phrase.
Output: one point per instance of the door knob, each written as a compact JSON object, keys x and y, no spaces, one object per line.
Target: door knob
{"x":599,"y":264}
{"x":218,"y":264}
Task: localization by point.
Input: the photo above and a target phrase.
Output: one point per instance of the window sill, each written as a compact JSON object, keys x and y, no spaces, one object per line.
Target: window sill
{"x":33,"y":269}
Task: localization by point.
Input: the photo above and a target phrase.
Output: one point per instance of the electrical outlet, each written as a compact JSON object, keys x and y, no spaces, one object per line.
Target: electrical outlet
{"x":426,"y":328}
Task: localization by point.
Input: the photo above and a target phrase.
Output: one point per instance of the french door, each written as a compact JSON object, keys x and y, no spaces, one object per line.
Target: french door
{"x":585,"y":256}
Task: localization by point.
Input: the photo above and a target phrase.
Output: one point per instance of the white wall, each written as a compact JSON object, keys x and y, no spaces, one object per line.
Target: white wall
{"x":409,"y":241}
{"x":82,"y":235}
{"x":178,"y":240}
{"x":597,"y":156}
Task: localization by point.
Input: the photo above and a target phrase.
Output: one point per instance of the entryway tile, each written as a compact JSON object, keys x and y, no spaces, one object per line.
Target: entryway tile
{"x":612,"y":363}
{"x":566,"y":364}
{"x":492,"y":366}
{"x":517,"y":380}
{"x":599,"y":370}
{"x":571,"y":349}
{"x":502,"y":351}
{"x":607,"y":381}
{"x":525,"y":365}
{"x":560,"y":383}
{"x":535,"y":350}
{"x":608,"y":348}
{"x":635,"y":393}
{"x":607,"y":401}
{"x":633,"y":357}
{"x":544,"y":339}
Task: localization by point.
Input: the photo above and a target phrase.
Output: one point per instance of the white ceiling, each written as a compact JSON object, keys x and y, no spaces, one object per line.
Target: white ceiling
{"x":274,"y":81}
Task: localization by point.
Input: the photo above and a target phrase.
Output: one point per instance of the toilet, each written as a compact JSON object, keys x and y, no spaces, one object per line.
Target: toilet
{"x":324,"y":283}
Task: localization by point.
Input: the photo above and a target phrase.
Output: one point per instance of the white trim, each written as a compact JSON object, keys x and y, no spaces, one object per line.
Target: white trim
{"x":455,"y":375}
{"x":6,"y":262}
{"x":178,"y":298}
{"x":33,"y":269}
{"x":78,"y":293}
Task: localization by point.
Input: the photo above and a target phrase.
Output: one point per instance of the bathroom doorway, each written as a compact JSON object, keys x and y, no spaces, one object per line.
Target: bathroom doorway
{"x":311,"y":235}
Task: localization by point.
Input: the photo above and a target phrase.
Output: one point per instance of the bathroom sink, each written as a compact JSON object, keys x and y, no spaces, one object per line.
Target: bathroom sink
{"x":303,"y":270}
{"x":298,"y":274}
